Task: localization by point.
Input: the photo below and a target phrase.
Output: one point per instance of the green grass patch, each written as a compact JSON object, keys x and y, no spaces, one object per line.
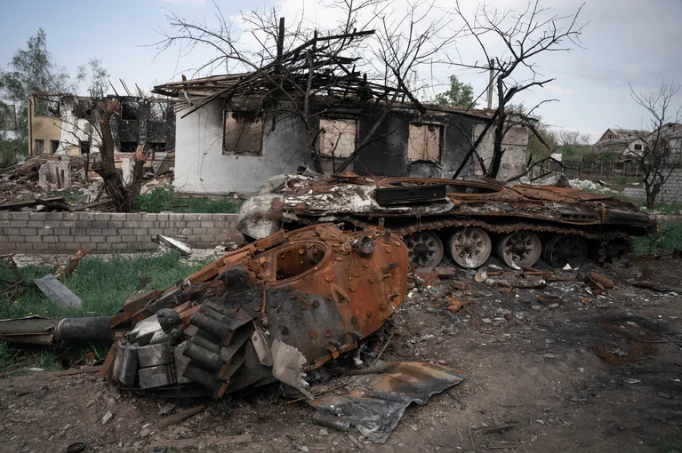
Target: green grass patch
{"x":165,"y":200}
{"x":102,"y":285}
{"x":669,"y":237}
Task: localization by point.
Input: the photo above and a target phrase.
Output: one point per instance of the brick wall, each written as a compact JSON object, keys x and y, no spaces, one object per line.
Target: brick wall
{"x":65,"y":232}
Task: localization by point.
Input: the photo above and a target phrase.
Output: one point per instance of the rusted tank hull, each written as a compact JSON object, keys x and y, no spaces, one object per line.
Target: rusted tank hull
{"x":465,"y":219}
{"x":273,"y":310}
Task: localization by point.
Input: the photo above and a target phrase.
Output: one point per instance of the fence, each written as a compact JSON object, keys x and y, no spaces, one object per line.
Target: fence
{"x":580,"y":170}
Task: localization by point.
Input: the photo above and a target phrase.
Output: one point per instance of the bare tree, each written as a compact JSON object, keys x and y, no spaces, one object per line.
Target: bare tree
{"x":523,"y":37}
{"x":291,"y":69}
{"x":660,"y":152}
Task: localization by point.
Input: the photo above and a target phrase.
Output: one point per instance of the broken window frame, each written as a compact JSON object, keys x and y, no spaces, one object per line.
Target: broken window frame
{"x":85,"y":146}
{"x":53,"y":148}
{"x":158,"y":111}
{"x":258,"y":122}
{"x":424,"y":156}
{"x":42,"y":107}
{"x":128,"y":147}
{"x":39,"y":145}
{"x":332,"y":154}
{"x":126,"y":109}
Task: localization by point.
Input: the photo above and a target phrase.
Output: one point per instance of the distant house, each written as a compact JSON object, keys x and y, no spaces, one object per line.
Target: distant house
{"x":57,"y":125}
{"x":622,"y":142}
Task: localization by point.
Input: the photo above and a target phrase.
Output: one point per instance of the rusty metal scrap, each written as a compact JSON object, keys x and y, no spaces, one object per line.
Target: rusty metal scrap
{"x":377,"y":402}
{"x":272,"y":310}
{"x":564,"y":218}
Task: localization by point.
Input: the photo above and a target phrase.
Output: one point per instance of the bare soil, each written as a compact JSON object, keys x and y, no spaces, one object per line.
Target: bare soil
{"x":566,"y":376}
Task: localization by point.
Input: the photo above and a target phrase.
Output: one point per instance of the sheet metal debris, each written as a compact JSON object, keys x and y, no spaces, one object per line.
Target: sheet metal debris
{"x":57,"y":292}
{"x":377,"y":402}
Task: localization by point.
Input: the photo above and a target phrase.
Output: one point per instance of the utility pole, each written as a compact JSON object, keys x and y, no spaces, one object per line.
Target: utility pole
{"x":490,"y":84}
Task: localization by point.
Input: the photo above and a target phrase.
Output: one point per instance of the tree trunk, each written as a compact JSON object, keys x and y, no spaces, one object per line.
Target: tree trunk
{"x":113,"y":182}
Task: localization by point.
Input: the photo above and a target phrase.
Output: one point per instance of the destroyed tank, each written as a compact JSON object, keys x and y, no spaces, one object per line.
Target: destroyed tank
{"x":272,"y":310}
{"x":464,"y":220}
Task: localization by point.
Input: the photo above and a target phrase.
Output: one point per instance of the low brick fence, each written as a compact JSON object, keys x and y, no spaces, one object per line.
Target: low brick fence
{"x":101,"y":232}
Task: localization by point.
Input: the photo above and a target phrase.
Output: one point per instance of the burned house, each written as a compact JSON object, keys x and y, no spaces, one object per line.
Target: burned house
{"x":61,"y":124}
{"x":235,"y":131}
{"x":232,"y":147}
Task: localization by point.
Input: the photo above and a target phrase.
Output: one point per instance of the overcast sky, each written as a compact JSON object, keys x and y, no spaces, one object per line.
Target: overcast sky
{"x":626,"y":41}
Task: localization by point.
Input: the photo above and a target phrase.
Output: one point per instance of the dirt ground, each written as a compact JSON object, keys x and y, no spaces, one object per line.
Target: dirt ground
{"x":559,"y":376}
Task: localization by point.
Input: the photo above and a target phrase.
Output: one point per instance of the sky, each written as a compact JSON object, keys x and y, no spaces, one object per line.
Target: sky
{"x":625,"y":43}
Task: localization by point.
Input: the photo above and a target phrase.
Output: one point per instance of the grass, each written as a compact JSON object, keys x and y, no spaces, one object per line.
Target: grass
{"x":669,"y":237}
{"x":165,"y":200}
{"x":102,"y":285}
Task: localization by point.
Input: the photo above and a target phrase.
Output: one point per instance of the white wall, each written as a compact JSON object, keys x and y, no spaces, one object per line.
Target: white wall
{"x":201,"y":166}
{"x":75,"y":130}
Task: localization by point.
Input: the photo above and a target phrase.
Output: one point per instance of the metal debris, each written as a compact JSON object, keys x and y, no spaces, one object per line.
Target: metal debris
{"x":272,"y":310}
{"x":173,"y":244}
{"x":467,"y":220}
{"x":57,"y":292}
{"x":377,"y":402}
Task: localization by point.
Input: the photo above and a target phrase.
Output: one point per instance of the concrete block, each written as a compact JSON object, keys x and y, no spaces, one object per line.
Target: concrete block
{"x":103,"y":246}
{"x":18,"y":223}
{"x":68,"y":224}
{"x":99,"y":224}
{"x":5,"y":215}
{"x":80,"y":239}
{"x":99,"y":239}
{"x":192,"y":224}
{"x":109,"y":231}
{"x":113,"y":238}
{"x":66,"y":239}
{"x":37,"y":216}
{"x":207,"y":224}
{"x":102,"y":216}
{"x":28,"y":231}
{"x":162,"y":217}
{"x":15,"y":239}
{"x":62,"y":231}
{"x":155,"y":231}
{"x":37,"y":246}
{"x":21,"y":216}
{"x":53,"y":216}
{"x":46,"y":232}
{"x":35,"y":224}
{"x":198,"y":231}
{"x":93,"y":231}
{"x":33,"y":239}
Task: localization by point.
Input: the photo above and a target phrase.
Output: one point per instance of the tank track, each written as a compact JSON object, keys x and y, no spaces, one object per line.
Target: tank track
{"x":611,"y":245}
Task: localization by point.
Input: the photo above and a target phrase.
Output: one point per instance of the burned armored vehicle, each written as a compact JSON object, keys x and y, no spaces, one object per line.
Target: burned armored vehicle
{"x":465,"y":220}
{"x":273,"y":310}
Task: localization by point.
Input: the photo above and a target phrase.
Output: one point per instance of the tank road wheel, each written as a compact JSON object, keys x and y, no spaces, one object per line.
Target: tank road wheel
{"x":565,"y":249}
{"x":470,"y":247}
{"x":425,"y":249}
{"x":518,"y":249}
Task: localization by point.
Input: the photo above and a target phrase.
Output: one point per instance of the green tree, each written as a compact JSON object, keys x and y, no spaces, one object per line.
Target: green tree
{"x":459,"y":95}
{"x":96,"y":77}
